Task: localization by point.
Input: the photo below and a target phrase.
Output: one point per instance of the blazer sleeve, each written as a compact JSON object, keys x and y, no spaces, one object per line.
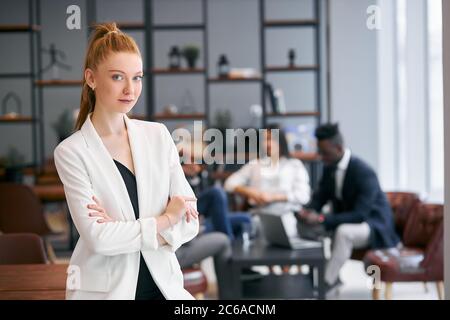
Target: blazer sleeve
{"x":321,"y":195}
{"x":183,"y":231}
{"x":300,"y":191}
{"x":367,"y":193}
{"x":112,"y":238}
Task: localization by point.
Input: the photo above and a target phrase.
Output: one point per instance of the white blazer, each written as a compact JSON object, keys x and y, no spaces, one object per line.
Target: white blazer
{"x":105,"y":262}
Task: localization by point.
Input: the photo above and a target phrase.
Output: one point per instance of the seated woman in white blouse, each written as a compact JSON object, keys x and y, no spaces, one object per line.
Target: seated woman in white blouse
{"x":277,"y":178}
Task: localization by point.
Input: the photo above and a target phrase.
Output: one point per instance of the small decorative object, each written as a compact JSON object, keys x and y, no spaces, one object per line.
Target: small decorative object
{"x":223,"y":119}
{"x":187,"y":103}
{"x":281,"y":104}
{"x":223,"y":66}
{"x":170,"y":109}
{"x":256,"y":114}
{"x":13,"y":163}
{"x":291,"y":57}
{"x":55,"y":64}
{"x":242,"y":73}
{"x":64,"y":125}
{"x":6,"y":105}
{"x":174,"y":58}
{"x":191,"y":54}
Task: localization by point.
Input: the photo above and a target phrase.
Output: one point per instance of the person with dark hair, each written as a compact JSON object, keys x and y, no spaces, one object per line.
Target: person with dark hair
{"x":361,"y":215}
{"x":273,"y":178}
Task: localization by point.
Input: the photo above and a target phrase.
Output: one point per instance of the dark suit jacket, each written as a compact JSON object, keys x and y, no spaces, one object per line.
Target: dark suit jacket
{"x":362,"y":200}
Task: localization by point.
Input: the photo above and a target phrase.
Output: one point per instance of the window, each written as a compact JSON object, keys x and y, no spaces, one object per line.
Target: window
{"x":419,"y":99}
{"x":435,"y":102}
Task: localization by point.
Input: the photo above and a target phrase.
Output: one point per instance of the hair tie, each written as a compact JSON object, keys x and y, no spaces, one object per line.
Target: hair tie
{"x":112,"y":31}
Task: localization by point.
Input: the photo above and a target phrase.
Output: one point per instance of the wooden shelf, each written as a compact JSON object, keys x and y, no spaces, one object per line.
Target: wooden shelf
{"x":16,"y":119}
{"x":131,"y":25}
{"x":291,"y":23}
{"x":291,"y":69}
{"x":59,"y":82}
{"x":178,"y":71}
{"x":179,"y":27}
{"x":141,"y":26}
{"x":225,"y":79}
{"x":188,"y":116}
{"x":19,"y":28}
{"x":294,"y":114}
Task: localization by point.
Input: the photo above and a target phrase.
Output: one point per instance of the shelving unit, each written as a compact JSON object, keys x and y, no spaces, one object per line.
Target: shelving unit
{"x":317,"y":25}
{"x":152,"y":73}
{"x":149,"y":29}
{"x":33,"y":29}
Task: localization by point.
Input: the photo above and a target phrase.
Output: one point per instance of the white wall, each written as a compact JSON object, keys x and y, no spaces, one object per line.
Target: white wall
{"x":353,"y":67}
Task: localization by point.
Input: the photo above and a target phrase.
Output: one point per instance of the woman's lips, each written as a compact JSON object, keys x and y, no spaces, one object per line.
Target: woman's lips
{"x":127,"y":101}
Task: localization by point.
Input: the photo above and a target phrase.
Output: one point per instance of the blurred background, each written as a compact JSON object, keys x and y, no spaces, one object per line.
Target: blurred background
{"x":374,"y":67}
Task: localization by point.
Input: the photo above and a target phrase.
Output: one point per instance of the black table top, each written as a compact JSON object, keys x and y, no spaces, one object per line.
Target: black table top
{"x":262,"y":253}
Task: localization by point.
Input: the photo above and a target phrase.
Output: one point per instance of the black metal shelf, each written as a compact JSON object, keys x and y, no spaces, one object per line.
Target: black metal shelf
{"x":150,"y":28}
{"x":315,"y":23}
{"x":179,"y":27}
{"x":33,"y":28}
{"x":291,"y":69}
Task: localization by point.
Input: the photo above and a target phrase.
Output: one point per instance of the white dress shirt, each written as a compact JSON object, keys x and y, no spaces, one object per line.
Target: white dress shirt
{"x":289,"y":177}
{"x":340,"y":173}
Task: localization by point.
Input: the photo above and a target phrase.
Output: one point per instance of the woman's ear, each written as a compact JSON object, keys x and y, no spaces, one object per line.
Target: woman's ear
{"x":90,"y":79}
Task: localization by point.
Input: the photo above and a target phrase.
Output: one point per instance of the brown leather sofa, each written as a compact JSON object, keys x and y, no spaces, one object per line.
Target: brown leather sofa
{"x":402,"y":203}
{"x":420,"y":258}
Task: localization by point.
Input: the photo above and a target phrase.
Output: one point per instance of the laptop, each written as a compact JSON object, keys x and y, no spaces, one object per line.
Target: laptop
{"x":281,"y":230}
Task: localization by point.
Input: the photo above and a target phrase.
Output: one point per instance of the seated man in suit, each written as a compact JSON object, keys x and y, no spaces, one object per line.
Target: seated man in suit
{"x":361,"y":216}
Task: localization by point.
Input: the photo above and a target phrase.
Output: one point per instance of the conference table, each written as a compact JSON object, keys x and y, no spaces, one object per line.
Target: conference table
{"x":286,"y":286}
{"x":33,"y":281}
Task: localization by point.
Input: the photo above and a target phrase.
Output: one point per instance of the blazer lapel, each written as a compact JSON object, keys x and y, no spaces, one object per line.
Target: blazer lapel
{"x":110,"y":173}
{"x":140,"y":150}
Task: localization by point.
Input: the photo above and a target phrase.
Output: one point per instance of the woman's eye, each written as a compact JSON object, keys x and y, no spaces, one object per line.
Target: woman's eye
{"x":138,"y":78}
{"x":117,"y":77}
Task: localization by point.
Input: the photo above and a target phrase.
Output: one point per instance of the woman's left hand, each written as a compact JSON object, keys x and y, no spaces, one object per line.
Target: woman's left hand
{"x":100,"y":211}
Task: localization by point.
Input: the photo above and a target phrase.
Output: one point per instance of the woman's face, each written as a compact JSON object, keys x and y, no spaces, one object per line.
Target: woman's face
{"x":117,"y":81}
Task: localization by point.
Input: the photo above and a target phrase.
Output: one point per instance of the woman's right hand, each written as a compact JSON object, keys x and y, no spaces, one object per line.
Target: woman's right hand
{"x":178,"y":206}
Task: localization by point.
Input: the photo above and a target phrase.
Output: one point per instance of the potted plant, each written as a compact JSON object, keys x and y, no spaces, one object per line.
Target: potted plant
{"x":64,"y":125}
{"x":191,"y":54}
{"x":13,"y":164}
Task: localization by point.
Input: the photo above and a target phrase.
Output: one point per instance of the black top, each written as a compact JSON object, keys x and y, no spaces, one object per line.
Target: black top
{"x":146,"y":287}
